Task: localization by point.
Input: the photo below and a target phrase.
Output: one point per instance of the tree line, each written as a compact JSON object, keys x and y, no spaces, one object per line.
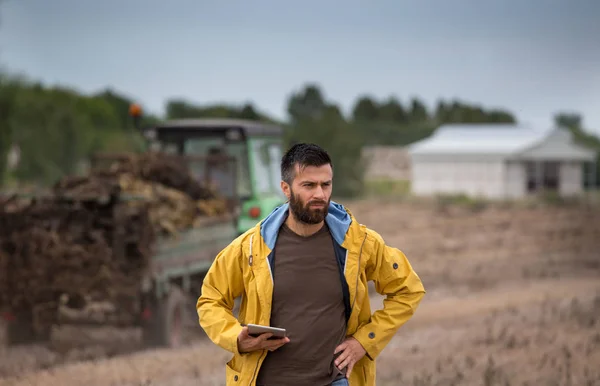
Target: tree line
{"x":56,"y":129}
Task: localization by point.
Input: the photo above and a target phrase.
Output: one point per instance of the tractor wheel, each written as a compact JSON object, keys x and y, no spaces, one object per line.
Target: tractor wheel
{"x":20,"y":331}
{"x":165,"y":327}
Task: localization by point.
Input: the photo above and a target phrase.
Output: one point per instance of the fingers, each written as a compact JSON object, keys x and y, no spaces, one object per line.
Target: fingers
{"x":264,"y":337}
{"x":348,"y":362}
{"x":341,"y":347}
{"x":273,"y":348}
{"x":275,"y":343}
{"x":349,"y":370}
{"x":343,"y":358}
{"x":244,"y":333}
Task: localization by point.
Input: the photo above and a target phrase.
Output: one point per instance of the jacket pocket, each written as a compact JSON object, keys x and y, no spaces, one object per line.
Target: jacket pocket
{"x":232,"y":375}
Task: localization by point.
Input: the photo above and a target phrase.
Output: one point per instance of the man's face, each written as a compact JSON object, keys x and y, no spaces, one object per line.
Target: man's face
{"x":310,"y":193}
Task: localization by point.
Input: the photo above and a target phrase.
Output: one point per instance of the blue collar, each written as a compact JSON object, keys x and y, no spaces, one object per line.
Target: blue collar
{"x":337,"y":219}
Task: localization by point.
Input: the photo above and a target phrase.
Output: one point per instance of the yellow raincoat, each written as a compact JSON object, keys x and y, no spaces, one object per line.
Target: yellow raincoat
{"x":243,"y":269}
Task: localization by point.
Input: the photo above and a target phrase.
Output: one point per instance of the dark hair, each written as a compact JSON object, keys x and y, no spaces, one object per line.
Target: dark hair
{"x":302,"y":154}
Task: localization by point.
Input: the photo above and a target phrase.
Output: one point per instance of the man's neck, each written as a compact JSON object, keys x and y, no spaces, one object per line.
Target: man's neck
{"x":301,"y":228}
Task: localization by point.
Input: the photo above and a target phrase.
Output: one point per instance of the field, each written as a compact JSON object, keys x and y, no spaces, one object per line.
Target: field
{"x":513,"y":299}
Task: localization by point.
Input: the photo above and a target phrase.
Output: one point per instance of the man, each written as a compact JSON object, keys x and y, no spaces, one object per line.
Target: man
{"x":305,"y":268}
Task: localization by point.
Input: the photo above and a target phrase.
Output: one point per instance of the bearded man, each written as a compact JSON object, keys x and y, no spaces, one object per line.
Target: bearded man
{"x":305,"y":268}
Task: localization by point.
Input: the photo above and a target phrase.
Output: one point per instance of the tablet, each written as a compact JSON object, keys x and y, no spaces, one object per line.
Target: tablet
{"x":255,"y":330}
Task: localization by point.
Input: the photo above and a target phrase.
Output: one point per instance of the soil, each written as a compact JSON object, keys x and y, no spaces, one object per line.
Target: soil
{"x":513,"y":298}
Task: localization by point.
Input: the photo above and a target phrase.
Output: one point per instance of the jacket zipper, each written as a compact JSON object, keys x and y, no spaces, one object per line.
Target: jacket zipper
{"x":250,"y":258}
{"x":256,"y":368}
{"x":250,"y":262}
{"x":358,"y":273}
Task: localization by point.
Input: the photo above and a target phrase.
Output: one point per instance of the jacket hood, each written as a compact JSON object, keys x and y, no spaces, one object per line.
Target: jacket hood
{"x":338,"y":220}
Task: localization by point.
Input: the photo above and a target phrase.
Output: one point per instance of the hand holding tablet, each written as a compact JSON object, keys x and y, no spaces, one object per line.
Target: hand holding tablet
{"x":255,"y":337}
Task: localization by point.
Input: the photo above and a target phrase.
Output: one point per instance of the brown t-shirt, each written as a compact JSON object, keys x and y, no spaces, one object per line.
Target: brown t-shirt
{"x":308,"y":303}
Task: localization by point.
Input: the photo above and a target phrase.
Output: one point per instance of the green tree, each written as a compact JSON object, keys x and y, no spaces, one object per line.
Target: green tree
{"x":574,"y":122}
{"x":248,"y":112}
{"x":418,"y":111}
{"x":365,"y":110}
{"x":181,"y":109}
{"x":120,"y":106}
{"x":571,"y":121}
{"x":8,"y":89}
{"x":442,"y":112}
{"x":315,"y":120}
{"x":499,"y":116}
{"x":460,"y":112}
{"x":308,"y":104}
{"x":52,"y":133}
{"x":392,"y":111}
{"x":57,"y":128}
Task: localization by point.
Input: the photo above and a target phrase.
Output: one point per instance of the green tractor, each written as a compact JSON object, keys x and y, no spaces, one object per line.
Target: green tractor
{"x":243,"y":157}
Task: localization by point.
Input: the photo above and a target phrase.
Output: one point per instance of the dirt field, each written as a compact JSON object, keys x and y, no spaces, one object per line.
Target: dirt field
{"x":513,"y":299}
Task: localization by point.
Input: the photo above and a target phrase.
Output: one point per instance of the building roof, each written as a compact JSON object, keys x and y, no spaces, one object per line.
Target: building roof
{"x":208,"y":124}
{"x":501,"y":140}
{"x":479,"y":139}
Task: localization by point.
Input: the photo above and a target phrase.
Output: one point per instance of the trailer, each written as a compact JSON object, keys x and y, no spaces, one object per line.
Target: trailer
{"x":241,"y":158}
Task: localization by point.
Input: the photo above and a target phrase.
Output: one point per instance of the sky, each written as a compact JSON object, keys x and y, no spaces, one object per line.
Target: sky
{"x":533,"y":57}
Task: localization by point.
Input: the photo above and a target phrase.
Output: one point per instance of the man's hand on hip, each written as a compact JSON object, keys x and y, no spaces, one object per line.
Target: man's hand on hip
{"x":351,"y":352}
{"x":247,"y":343}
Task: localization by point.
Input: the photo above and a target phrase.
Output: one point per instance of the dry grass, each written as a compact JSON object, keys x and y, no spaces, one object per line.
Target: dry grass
{"x":200,"y":364}
{"x":550,"y":343}
{"x":513,"y":299}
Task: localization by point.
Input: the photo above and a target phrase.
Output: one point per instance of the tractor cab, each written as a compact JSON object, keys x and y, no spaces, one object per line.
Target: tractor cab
{"x":239,"y":158}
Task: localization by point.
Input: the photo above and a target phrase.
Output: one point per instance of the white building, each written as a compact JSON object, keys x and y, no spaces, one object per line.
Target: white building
{"x":498,"y":161}
{"x":387,"y":162}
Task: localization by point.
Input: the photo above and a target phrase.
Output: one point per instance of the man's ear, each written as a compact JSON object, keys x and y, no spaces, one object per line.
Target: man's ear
{"x":285,"y":188}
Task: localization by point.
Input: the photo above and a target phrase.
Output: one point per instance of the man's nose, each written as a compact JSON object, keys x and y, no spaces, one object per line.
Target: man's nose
{"x":319,"y":193}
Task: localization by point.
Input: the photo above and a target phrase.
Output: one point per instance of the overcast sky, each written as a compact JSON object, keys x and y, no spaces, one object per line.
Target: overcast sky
{"x":532,"y":57}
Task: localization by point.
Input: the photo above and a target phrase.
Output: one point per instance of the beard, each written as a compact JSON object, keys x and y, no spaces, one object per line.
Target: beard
{"x":304,"y":213}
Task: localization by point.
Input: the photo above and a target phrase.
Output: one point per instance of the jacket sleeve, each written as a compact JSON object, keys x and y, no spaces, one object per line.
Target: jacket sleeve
{"x":222,"y":285}
{"x":395,"y":278}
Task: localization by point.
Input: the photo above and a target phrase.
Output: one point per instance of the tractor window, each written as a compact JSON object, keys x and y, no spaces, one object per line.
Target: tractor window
{"x":262,"y":172}
{"x":266,"y":157}
{"x":202,"y":147}
{"x":275,"y":166}
{"x":239,"y":151}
